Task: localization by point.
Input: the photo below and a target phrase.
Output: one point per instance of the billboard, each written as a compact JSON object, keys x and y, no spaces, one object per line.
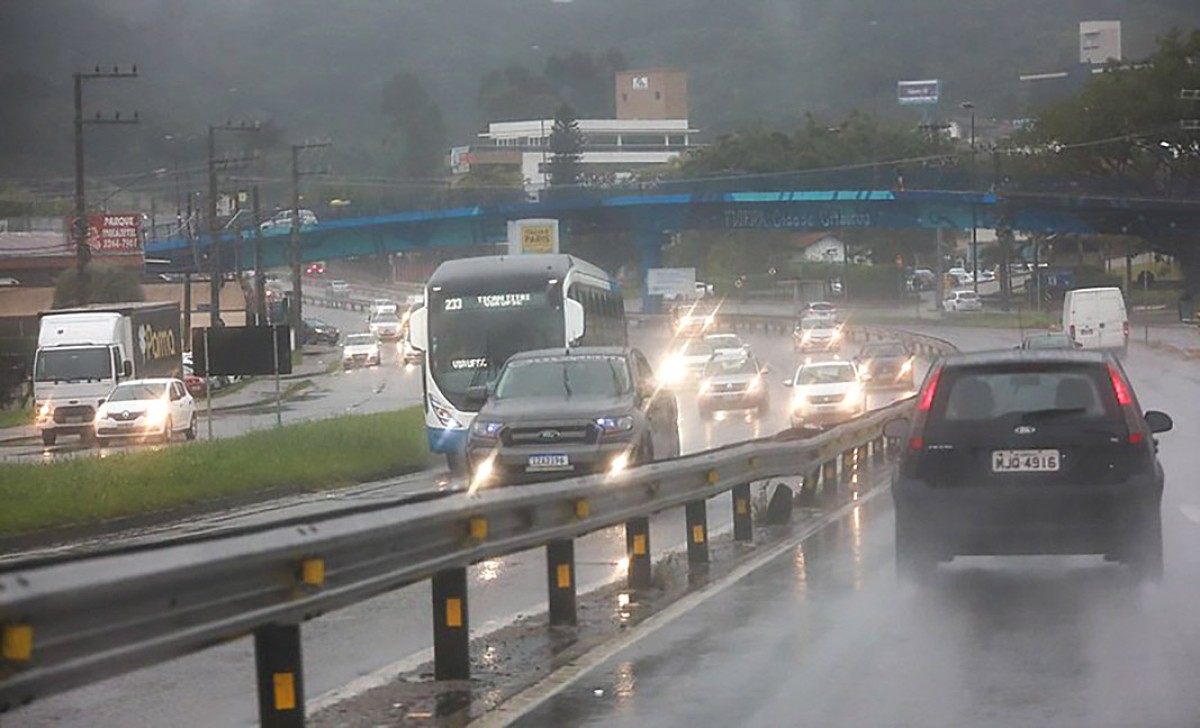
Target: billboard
{"x":460,"y":160}
{"x":671,"y":282}
{"x":532,"y":236}
{"x":916,"y":93}
{"x":117,"y":233}
{"x":242,"y":350}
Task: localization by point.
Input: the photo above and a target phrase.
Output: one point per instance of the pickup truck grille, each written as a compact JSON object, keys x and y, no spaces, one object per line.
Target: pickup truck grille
{"x":566,"y":433}
{"x":826,"y":398}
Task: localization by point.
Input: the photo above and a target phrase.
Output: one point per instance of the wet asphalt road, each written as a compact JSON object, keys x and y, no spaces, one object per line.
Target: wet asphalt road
{"x":826,"y":635}
{"x":216,"y":687}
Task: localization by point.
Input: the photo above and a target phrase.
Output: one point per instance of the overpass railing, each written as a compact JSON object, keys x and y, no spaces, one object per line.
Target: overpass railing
{"x":80,"y":620}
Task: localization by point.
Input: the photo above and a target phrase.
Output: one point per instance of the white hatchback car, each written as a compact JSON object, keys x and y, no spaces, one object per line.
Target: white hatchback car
{"x":146,"y":409}
{"x":826,"y":393}
{"x":962,"y":301}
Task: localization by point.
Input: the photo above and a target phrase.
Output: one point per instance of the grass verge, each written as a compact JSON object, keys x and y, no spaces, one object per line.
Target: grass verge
{"x":308,"y":456}
{"x":15,"y":417}
{"x":981,"y":320}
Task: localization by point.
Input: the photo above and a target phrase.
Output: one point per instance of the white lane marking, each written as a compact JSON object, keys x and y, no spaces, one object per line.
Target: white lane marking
{"x":1191,"y":512}
{"x":533,"y":697}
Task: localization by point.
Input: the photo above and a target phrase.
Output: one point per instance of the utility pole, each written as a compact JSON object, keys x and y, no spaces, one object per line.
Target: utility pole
{"x":79,"y":227}
{"x":214,"y":228}
{"x":260,"y":276}
{"x":296,"y":314}
{"x":974,"y":215}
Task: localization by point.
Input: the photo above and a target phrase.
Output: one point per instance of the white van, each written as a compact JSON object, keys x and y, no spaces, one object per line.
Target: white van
{"x":1095,"y":318}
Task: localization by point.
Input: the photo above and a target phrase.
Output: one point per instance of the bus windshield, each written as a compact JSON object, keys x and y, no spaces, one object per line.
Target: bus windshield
{"x":471,"y":336}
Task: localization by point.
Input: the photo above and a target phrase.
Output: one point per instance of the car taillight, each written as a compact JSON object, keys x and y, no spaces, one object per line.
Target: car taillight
{"x":924,"y":404}
{"x":1072,"y":332}
{"x":1125,"y":402}
{"x":1125,"y":329}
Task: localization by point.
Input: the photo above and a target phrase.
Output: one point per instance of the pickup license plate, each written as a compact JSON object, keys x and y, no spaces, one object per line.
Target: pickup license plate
{"x":546,"y":463}
{"x":1025,"y":461}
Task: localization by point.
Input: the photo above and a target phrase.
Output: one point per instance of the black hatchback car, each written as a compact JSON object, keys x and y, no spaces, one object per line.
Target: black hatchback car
{"x":554,"y":414}
{"x":1028,"y":452}
{"x":886,"y":364}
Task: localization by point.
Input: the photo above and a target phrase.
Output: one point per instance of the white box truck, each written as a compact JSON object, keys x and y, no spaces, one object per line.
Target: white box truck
{"x":1095,"y":318}
{"x":82,"y":353}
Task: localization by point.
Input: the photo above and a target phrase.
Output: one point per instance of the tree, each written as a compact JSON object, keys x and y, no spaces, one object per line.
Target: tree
{"x":417,"y":125}
{"x":96,"y":283}
{"x":566,"y":148}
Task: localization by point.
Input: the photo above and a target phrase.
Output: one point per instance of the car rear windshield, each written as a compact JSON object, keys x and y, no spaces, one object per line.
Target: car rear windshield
{"x":969,"y":295}
{"x":1028,"y":393}
{"x":579,"y":376}
{"x":1048,"y":342}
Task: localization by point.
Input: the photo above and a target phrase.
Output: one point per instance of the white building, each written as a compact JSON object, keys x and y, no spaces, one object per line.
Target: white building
{"x":1099,"y":41}
{"x":615,"y":147}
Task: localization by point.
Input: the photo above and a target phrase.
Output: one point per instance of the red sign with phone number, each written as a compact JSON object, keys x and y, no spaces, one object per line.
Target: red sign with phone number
{"x":118,"y":233}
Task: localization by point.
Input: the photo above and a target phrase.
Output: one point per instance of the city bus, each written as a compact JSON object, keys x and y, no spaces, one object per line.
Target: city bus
{"x":481,"y":311}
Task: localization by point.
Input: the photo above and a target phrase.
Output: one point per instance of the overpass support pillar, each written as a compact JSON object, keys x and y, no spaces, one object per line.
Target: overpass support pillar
{"x":451,"y":634}
{"x":280,"y":674}
{"x":650,"y":244}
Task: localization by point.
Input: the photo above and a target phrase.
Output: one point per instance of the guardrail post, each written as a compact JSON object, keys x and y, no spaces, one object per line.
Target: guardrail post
{"x":451,"y":636}
{"x":697,"y":530}
{"x":829,"y":476}
{"x":847,"y":466}
{"x":280,"y":674}
{"x":743,"y":529}
{"x":808,"y":487}
{"x":560,"y":574}
{"x":877,"y":450}
{"x":637,"y":550}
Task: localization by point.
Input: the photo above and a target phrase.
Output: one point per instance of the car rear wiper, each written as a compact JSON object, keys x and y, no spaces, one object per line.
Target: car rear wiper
{"x":1048,"y":414}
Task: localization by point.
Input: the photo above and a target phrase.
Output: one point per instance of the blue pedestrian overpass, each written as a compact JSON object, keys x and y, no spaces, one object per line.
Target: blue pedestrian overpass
{"x":652,"y":215}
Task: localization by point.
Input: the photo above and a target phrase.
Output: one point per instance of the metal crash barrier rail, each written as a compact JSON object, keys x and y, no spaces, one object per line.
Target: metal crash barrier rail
{"x":80,"y":621}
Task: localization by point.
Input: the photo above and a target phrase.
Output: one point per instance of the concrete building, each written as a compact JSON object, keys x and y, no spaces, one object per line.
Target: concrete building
{"x":651,"y":129}
{"x":1099,"y":41}
{"x":652,"y":94}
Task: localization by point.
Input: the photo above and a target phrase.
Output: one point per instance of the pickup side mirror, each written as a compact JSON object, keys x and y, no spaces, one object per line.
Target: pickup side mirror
{"x":127,"y":368}
{"x":477,"y":395}
{"x":1159,"y":421}
{"x":897,"y":428}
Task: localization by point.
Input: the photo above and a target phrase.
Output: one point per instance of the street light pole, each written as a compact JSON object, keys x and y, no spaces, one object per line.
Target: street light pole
{"x":974,"y":213}
{"x":214,"y":228}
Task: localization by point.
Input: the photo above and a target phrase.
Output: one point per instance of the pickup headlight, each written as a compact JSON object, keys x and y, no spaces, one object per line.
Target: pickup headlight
{"x":906,"y":367}
{"x":45,"y":411}
{"x":755,"y":384}
{"x":485,"y":429}
{"x":799,"y":398}
{"x":614,"y":425}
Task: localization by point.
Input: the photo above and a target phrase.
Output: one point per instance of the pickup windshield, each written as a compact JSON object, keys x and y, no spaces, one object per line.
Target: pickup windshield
{"x":64,"y":365}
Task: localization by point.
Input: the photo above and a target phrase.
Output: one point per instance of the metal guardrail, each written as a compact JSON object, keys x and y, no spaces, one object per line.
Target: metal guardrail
{"x":79,"y":621}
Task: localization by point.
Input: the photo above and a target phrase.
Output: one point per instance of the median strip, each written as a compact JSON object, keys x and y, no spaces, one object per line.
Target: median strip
{"x":308,"y":456}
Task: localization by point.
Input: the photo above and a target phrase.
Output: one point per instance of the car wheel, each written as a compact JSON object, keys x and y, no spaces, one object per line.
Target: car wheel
{"x":88,"y":438}
{"x":915,"y":559}
{"x":676,"y":447}
{"x":764,"y":407}
{"x":190,"y":432}
{"x":457,"y":463}
{"x":49,"y":438}
{"x":165,"y":438}
{"x":1143,"y":550}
